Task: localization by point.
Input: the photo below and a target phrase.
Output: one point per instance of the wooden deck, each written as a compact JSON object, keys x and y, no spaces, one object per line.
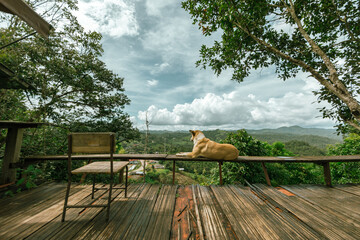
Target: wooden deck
{"x":175,"y":212}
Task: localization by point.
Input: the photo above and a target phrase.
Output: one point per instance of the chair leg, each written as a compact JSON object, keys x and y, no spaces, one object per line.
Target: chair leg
{"x":109,"y":200}
{"x":126,"y":181}
{"x":93,"y":187}
{"x":121,"y":176}
{"x":66,"y":198}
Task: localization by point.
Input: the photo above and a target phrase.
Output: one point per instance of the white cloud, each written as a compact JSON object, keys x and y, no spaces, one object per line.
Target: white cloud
{"x":159,"y":68}
{"x":155,"y":7}
{"x":163,"y":54}
{"x":115,"y":18}
{"x":152,"y":82}
{"x":236,"y":111}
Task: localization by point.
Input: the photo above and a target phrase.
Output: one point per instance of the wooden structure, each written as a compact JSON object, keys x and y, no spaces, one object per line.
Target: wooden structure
{"x":8,"y":81}
{"x":24,"y":11}
{"x":263,"y":160}
{"x":12,"y":149}
{"x":94,"y":143}
{"x":186,"y":212}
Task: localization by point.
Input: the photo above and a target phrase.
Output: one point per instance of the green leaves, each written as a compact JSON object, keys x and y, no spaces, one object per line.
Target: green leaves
{"x":346,"y":172}
{"x":74,"y":87}
{"x":258,"y":34}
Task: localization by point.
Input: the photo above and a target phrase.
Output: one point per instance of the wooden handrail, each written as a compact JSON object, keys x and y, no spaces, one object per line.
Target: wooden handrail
{"x":267,"y":159}
{"x":321,"y":160}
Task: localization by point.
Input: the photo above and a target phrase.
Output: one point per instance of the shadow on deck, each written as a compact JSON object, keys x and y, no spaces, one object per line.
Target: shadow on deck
{"x":187,"y":212}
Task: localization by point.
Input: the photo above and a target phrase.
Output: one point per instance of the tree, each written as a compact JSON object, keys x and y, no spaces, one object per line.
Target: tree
{"x":346,"y":172}
{"x":303,"y":148}
{"x":247,"y":146}
{"x":322,"y":40}
{"x":280,"y":173}
{"x":74,"y":88}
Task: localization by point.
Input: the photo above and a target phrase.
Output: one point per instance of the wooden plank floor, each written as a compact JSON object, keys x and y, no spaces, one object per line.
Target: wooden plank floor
{"x":186,"y":212}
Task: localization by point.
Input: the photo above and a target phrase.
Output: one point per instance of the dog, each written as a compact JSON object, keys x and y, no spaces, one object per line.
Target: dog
{"x":204,"y":147}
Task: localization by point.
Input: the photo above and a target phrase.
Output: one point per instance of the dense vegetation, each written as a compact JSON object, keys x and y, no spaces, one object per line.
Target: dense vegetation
{"x":73,"y":88}
{"x":318,"y":37}
{"x":52,"y":140}
{"x":346,"y":172}
{"x":207,"y":172}
{"x":75,"y":91}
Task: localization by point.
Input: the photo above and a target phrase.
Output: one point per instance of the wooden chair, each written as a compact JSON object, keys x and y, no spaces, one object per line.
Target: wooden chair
{"x":94,"y":143}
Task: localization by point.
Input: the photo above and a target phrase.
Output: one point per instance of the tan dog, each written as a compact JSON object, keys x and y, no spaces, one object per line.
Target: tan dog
{"x":206,"y":148}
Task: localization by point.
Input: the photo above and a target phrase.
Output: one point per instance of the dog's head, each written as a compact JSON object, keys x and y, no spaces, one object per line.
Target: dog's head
{"x":195,"y":135}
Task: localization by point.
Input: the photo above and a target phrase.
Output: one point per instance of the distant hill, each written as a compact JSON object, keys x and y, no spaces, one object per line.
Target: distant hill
{"x":314,"y":137}
{"x":296,"y":130}
{"x":313,"y":140}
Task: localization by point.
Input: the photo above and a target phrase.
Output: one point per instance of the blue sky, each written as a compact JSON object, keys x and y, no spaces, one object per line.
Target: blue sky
{"x":153,"y":45}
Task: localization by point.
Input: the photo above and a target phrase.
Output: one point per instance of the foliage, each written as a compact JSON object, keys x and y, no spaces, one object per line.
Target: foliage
{"x":346,"y":172}
{"x":30,"y":177}
{"x":238,"y":172}
{"x":159,"y":176}
{"x":74,"y":88}
{"x":312,"y":140}
{"x":319,"y":37}
{"x":302,"y":148}
{"x":174,"y":142}
{"x":287,"y":173}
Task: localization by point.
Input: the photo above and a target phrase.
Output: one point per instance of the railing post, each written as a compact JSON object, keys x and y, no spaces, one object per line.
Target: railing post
{"x":327,"y":174}
{"x":144,"y":169}
{"x":173,"y":182}
{"x":12,"y":151}
{"x":220,"y":172}
{"x":266,"y":174}
{"x":121,"y":176}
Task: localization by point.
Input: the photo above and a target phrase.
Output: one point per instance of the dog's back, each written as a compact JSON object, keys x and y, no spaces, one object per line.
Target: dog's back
{"x":218,"y":151}
{"x":206,"y":148}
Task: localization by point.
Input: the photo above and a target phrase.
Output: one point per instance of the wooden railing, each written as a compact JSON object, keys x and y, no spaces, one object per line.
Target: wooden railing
{"x":263,"y":160}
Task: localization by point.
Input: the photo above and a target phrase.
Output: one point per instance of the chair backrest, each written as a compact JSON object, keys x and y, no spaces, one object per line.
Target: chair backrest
{"x":92,"y":142}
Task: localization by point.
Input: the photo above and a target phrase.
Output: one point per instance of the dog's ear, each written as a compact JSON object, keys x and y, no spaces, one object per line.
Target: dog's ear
{"x":192,"y":132}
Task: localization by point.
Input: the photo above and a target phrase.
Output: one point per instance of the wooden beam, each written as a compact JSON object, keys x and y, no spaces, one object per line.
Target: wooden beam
{"x":220,"y":173}
{"x":16,"y":124}
{"x":121,"y":176}
{"x":252,"y":159}
{"x":327,"y":174}
{"x":266,"y":174}
{"x":26,"y":13}
{"x":173,"y":170}
{"x":12,"y":151}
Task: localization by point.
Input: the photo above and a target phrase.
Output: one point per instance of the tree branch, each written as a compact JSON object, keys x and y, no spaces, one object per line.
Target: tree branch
{"x":313,"y":45}
{"x":354,"y":125}
{"x":337,"y":87}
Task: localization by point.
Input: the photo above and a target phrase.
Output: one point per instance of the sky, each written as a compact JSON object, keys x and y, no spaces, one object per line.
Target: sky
{"x":153,"y":45}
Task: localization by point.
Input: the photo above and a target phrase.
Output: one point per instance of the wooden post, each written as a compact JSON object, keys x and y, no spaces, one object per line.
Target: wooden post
{"x":266,"y":174}
{"x":220,"y":173}
{"x":327,"y":174}
{"x":83,"y":176}
{"x":12,"y":152}
{"x":173,"y":182}
{"x":121,"y":176}
{"x":144,"y":169}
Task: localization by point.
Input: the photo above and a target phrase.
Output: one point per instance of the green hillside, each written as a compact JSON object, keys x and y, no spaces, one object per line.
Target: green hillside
{"x":313,"y":140}
{"x":296,"y":130}
{"x":301,"y":141}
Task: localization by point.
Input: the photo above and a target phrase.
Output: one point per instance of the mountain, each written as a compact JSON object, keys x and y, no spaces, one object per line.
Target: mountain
{"x":315,"y":137}
{"x":296,"y":130}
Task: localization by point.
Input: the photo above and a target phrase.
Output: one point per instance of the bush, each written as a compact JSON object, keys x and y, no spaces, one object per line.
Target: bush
{"x":279,"y":173}
{"x":349,"y":172}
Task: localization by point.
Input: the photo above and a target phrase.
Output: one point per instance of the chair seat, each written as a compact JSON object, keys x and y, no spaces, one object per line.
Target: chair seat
{"x":100,"y":167}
